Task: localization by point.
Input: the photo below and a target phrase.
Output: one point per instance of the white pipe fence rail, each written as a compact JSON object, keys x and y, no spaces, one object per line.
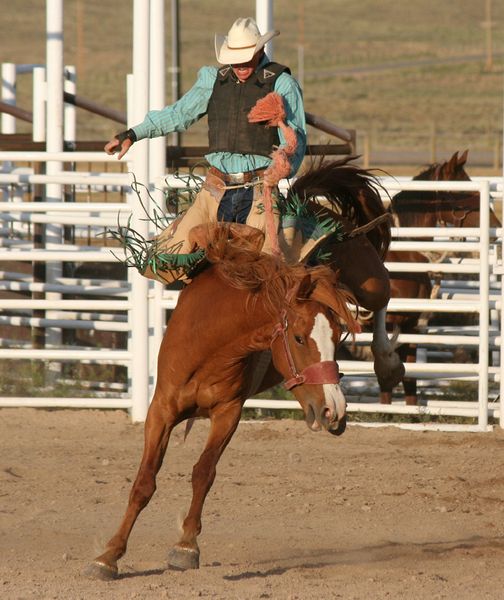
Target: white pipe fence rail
{"x":115,"y":303}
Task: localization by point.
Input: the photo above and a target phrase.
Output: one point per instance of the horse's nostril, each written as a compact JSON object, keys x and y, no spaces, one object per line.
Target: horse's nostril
{"x":327,"y":414}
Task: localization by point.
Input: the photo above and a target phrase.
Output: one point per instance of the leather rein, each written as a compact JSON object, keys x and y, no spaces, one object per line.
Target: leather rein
{"x":325,"y":371}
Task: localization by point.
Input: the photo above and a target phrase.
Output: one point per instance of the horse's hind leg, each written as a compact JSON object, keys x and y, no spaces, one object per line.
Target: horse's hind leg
{"x":387,"y":365}
{"x":410,"y":383}
{"x":157,"y":433}
{"x":224,"y":420}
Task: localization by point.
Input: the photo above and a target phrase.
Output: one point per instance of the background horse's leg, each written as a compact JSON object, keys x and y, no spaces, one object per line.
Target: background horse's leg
{"x":158,"y":427}
{"x":224,"y":421}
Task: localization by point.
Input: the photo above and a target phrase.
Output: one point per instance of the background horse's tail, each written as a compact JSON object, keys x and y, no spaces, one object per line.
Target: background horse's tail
{"x":352,"y":192}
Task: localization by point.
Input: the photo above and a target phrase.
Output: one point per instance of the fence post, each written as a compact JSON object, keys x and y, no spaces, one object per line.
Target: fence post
{"x":139,"y":338}
{"x":54,"y":143}
{"x":484,"y":311}
{"x":157,"y":170}
{"x":8,"y":96}
{"x":366,"y":152}
{"x":70,"y":110}
{"x":39,"y":104}
{"x":433,"y":141}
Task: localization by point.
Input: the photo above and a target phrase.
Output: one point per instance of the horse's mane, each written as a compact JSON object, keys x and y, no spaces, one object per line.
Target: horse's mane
{"x":352,"y":191}
{"x":430,"y":172}
{"x":241,"y":266}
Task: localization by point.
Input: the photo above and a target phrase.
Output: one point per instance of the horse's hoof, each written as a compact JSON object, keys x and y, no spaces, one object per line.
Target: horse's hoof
{"x":182,"y":559}
{"x":101,"y":571}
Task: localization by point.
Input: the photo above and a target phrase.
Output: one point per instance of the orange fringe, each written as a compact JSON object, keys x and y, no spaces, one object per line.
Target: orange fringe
{"x":271,"y":109}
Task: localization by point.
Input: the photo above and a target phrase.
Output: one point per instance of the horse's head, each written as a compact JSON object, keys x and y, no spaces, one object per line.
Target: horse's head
{"x":428,"y":209}
{"x":459,"y":209}
{"x":304,"y":347}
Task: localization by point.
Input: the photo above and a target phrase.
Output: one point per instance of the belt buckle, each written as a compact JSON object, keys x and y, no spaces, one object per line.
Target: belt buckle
{"x":236,"y":177}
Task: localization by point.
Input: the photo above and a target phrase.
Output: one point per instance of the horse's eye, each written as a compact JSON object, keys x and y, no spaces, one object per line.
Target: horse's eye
{"x":299,"y":339}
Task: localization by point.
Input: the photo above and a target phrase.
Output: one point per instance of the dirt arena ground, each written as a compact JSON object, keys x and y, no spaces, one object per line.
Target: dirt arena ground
{"x":375,"y":514}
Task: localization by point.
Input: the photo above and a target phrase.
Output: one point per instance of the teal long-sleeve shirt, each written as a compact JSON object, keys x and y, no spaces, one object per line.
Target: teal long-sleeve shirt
{"x":193,"y":105}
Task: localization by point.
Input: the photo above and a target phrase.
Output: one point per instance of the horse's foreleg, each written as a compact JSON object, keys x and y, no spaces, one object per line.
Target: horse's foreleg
{"x":157,"y":433}
{"x":224,"y":420}
{"x":387,"y":364}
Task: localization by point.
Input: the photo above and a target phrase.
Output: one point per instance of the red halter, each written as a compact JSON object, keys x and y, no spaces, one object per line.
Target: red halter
{"x":325,"y":371}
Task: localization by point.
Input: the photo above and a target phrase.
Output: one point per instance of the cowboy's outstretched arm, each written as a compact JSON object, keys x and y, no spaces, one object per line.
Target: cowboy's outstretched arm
{"x":183,"y":113}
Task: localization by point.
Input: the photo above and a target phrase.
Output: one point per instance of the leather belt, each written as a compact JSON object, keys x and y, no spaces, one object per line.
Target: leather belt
{"x":237,"y":178}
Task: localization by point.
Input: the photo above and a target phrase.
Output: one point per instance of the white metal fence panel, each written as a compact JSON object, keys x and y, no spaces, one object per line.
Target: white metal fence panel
{"x":99,"y":305}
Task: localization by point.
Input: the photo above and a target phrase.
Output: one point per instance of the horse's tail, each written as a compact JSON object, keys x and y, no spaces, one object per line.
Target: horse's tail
{"x":353,"y":193}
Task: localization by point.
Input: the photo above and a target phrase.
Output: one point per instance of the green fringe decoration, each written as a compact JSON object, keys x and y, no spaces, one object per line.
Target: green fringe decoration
{"x":295,"y":213}
{"x":175,"y":262}
{"x":141,"y":253}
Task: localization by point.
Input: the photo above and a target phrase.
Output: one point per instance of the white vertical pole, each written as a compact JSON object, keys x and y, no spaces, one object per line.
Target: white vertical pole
{"x":264,"y":20}
{"x":39,"y":104}
{"x":8,"y":122}
{"x":139,"y":338}
{"x":54,"y":140}
{"x":70,"y":110}
{"x":157,"y":165}
{"x":501,"y":403}
{"x":484,"y":312}
{"x":175,"y":63}
{"x":130,"y":102}
{"x":54,"y":60}
{"x":8,"y":96}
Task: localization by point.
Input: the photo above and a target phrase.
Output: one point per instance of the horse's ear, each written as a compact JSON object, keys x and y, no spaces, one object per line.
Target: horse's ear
{"x":451,"y":166}
{"x":462,"y":159}
{"x":305,"y":288}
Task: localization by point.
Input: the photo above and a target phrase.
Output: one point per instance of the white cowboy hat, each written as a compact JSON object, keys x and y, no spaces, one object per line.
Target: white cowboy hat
{"x":241,"y":43}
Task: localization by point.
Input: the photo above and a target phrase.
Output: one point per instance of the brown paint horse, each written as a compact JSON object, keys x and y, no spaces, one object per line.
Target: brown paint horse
{"x":207,"y":362}
{"x":343,"y":192}
{"x":431,"y":209}
{"x":426,"y":209}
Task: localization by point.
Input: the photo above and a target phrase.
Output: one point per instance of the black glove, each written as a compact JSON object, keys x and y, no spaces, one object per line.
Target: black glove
{"x":125,"y":135}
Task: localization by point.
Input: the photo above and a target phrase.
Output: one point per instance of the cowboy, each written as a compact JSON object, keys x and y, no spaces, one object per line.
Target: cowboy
{"x":240,"y":151}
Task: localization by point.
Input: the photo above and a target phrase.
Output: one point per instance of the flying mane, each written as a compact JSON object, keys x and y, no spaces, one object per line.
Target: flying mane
{"x":241,"y":266}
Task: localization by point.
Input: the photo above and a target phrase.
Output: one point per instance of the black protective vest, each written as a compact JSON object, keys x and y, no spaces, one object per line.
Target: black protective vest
{"x":229,"y":105}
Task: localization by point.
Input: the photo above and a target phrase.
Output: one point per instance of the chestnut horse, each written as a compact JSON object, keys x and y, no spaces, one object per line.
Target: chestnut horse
{"x":426,"y":209}
{"x":207,"y":361}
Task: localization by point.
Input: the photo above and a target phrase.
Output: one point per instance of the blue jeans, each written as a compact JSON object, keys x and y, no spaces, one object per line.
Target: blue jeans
{"x":234,"y":206}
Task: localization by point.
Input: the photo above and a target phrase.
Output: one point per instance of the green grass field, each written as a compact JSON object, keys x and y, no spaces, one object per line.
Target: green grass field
{"x":395,"y":106}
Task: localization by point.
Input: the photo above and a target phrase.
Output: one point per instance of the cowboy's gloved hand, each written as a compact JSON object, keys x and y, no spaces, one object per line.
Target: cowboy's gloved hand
{"x":121,"y":143}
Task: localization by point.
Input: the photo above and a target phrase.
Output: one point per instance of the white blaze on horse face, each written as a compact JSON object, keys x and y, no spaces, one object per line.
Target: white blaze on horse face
{"x":322,"y":336}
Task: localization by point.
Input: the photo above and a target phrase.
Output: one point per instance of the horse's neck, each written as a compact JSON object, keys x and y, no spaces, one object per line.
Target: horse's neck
{"x":224,"y":317}
{"x":415,"y":218}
